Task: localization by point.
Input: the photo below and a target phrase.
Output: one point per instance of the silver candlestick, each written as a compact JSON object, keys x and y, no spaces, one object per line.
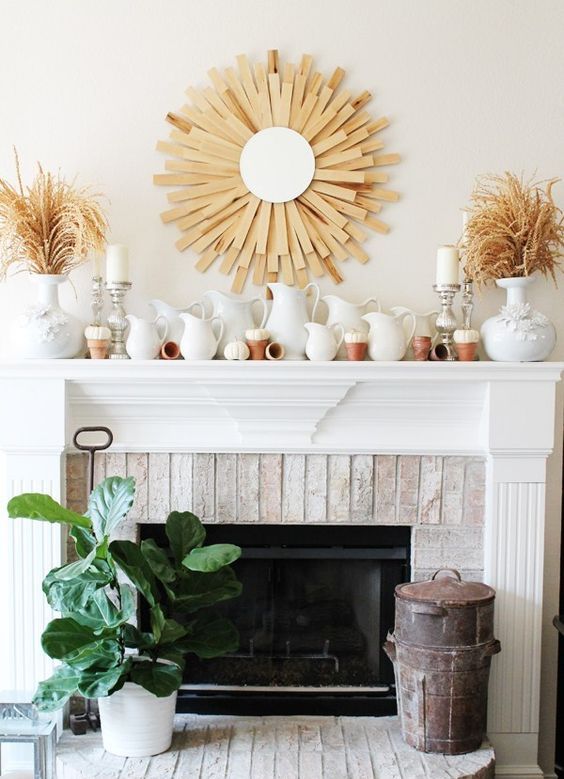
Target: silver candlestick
{"x":97,"y":303}
{"x":446,"y":322}
{"x":117,"y":321}
{"x":467,"y":304}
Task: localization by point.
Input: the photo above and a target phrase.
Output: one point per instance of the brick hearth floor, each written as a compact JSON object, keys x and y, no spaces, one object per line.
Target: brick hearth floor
{"x":221,"y":747}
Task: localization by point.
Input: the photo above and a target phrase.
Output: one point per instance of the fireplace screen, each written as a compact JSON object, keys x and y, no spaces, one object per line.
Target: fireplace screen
{"x":317,"y":603}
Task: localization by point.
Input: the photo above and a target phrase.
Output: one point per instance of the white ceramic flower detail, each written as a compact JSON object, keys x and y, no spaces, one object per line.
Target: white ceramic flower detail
{"x":46,"y":320}
{"x":522,"y":320}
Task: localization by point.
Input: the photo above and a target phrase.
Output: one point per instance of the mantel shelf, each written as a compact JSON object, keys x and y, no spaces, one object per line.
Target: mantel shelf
{"x":217,"y":405}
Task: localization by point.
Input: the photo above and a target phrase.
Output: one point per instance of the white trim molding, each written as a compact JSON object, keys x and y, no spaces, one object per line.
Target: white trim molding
{"x":502,"y":411}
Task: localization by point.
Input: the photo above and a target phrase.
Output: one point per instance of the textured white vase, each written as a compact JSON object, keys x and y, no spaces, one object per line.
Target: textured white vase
{"x":44,"y":330}
{"x":135,"y":723}
{"x":518,"y":333}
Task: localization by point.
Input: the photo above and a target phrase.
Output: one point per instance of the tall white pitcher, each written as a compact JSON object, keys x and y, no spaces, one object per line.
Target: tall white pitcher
{"x":288,"y":316}
{"x":236,"y":314}
{"x":349,"y":315}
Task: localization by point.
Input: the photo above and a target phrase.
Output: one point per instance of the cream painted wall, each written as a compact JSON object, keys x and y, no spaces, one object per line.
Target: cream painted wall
{"x":471,"y":86}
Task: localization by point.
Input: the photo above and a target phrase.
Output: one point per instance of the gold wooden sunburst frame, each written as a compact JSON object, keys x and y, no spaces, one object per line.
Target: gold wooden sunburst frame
{"x":216,"y":213}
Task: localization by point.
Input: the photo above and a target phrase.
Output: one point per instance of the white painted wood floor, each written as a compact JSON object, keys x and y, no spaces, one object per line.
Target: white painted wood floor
{"x":224,"y":747}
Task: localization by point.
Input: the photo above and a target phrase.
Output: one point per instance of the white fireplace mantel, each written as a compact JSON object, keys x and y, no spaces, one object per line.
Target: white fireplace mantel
{"x":502,"y":411}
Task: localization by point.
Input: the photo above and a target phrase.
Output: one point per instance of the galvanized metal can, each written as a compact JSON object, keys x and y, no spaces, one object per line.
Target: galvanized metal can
{"x":441,"y":649}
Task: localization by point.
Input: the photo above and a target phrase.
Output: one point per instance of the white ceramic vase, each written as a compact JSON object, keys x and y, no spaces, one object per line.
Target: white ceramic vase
{"x":135,"y":723}
{"x":44,"y":330}
{"x":518,"y":333}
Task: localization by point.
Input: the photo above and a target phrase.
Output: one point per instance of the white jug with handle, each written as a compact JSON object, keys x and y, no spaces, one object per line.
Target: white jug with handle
{"x":288,"y":316}
{"x":199,"y":342}
{"x":144,"y":340}
{"x":424,"y":323}
{"x":172,"y":315}
{"x":321,"y":343}
{"x":347,"y":314}
{"x":237,"y":315}
{"x":387,"y":340}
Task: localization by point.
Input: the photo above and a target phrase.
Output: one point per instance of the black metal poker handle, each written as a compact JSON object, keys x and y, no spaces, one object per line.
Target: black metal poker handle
{"x":92,"y":448}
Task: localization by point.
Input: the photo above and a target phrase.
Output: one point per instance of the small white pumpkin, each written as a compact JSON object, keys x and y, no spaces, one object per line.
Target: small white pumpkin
{"x":257,"y":334}
{"x":466,"y":336}
{"x":97,"y":333}
{"x":236,"y":350}
{"x":356,"y":337}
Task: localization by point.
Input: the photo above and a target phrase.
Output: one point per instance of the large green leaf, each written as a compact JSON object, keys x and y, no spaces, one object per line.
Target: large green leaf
{"x":63,"y":636}
{"x":109,"y":502}
{"x":157,"y":622}
{"x":209,"y":559}
{"x":55,"y":691}
{"x":171,"y":632}
{"x":129,"y":558}
{"x":96,"y":684}
{"x":72,"y":595}
{"x":35,"y":505}
{"x":211,"y":635}
{"x":158,"y":561}
{"x":135,"y":639}
{"x":159,"y":678}
{"x":104,"y":654}
{"x":194,"y":590}
{"x":185,"y":532}
{"x":84,"y":540}
{"x":72,"y":570}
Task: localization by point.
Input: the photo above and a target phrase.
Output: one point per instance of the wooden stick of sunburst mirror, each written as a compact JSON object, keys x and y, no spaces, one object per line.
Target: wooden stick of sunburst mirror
{"x":219,"y":217}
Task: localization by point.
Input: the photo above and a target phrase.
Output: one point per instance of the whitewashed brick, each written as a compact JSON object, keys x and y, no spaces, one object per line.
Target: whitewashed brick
{"x":248,"y":476}
{"x":226,"y":488}
{"x":385,"y":489}
{"x":137,"y":465}
{"x":159,"y":486}
{"x":270,"y":487}
{"x":339,"y":492}
{"x":293,"y":484}
{"x":181,"y":485}
{"x":430,"y":491}
{"x":316,"y":488}
{"x":99,"y":468}
{"x":116,"y":464}
{"x":362,"y":488}
{"x":408,"y":489}
{"x":203,"y":486}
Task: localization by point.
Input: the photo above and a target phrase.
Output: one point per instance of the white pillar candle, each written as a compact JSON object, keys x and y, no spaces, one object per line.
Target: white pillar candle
{"x":117,"y":263}
{"x":448,"y":265}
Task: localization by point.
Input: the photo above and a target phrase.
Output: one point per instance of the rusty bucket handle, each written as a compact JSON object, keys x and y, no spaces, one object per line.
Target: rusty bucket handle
{"x":493,"y":648}
{"x":446,"y":573}
{"x":430,"y":609}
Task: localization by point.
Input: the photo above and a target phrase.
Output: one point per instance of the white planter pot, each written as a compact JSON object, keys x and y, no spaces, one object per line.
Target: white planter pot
{"x":518,"y":333}
{"x":135,"y":723}
{"x":44,"y":330}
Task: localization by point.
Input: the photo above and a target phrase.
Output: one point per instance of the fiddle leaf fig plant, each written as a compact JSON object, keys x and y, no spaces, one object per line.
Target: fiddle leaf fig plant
{"x":98,"y":646}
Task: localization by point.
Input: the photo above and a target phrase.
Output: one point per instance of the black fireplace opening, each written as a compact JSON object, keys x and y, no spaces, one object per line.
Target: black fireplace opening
{"x":316,"y":606}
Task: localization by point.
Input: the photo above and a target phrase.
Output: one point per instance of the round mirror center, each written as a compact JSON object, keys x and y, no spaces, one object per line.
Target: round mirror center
{"x":277,"y":164}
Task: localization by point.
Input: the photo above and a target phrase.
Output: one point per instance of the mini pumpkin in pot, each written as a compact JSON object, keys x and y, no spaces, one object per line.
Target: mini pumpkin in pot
{"x":257,"y":341}
{"x":98,"y":341}
{"x":356,"y":343}
{"x":466,"y":342}
{"x":236,"y":350}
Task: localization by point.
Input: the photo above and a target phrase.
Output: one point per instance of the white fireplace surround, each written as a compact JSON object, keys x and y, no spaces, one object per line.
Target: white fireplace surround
{"x":503,"y":412}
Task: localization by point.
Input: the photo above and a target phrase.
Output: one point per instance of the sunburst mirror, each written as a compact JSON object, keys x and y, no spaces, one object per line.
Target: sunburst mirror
{"x":275,"y":170}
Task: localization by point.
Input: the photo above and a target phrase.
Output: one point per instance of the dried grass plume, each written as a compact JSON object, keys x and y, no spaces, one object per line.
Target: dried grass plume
{"x":514,"y":229}
{"x":50,"y":226}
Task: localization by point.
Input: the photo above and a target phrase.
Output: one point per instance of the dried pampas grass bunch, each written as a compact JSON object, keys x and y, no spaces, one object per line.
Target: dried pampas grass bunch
{"x":514,"y":228}
{"x":49,"y":227}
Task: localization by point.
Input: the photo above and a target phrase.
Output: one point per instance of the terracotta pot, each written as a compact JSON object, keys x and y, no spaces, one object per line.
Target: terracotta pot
{"x":466,"y":352}
{"x":356,"y":351}
{"x":257,"y":349}
{"x":275,"y":351}
{"x":98,"y":348}
{"x":170,"y":351}
{"x":421,"y":347}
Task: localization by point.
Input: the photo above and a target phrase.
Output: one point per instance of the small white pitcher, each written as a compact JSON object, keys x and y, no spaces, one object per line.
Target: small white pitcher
{"x":348,"y":314}
{"x":199,"y":341}
{"x":144,"y":340}
{"x":237,"y":315}
{"x":321,"y":344}
{"x":387,"y":340}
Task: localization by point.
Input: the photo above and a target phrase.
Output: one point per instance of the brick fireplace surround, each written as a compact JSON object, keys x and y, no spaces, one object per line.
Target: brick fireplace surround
{"x":457,"y":452}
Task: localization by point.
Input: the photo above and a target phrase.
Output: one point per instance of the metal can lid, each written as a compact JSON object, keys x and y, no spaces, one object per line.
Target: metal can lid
{"x":446,"y":587}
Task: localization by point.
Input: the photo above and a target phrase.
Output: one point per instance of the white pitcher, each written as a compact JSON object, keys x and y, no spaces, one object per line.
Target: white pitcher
{"x":236,"y":314}
{"x":424,"y":323}
{"x":144,"y":340}
{"x":199,"y":341}
{"x":386,"y":338}
{"x":348,"y":314}
{"x":172,"y":315}
{"x":321,"y":343}
{"x":288,"y":316}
